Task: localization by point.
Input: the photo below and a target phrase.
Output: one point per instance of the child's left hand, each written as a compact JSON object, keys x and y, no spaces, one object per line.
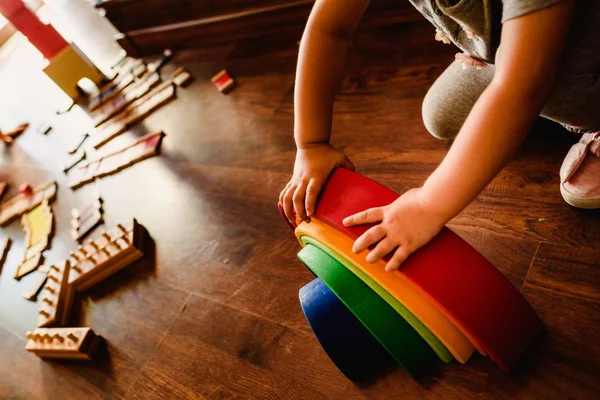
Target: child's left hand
{"x":404,"y":226}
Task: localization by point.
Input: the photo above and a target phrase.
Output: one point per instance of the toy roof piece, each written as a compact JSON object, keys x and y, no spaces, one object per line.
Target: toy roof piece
{"x":22,"y":203}
{"x":63,"y":343}
{"x":57,"y":299}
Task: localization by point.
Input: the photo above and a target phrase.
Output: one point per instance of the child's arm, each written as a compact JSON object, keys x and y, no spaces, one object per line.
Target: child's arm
{"x":320,"y":62}
{"x":526,"y":68}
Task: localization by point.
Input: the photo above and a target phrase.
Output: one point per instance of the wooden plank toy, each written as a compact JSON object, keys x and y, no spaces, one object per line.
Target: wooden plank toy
{"x":117,"y":85}
{"x":57,"y":299}
{"x":458,"y":280}
{"x":4,"y":248}
{"x":133,"y":113}
{"x":105,"y":255}
{"x":181,"y":77}
{"x":111,"y":163}
{"x":63,"y":343}
{"x":39,"y":281}
{"x":21,"y":203}
{"x":223,"y":82}
{"x":128,"y":96}
{"x":84,"y":220}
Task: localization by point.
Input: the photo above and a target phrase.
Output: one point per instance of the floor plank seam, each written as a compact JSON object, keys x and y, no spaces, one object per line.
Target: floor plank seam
{"x":530,"y":266}
{"x":158,"y":345}
{"x":12,"y":332}
{"x":204,"y":297}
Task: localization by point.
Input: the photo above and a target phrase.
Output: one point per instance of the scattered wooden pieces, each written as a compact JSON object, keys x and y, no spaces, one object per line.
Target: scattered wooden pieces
{"x":128,"y":95}
{"x":111,"y":163}
{"x":105,"y":255}
{"x":223,"y":82}
{"x":134,"y":112}
{"x":39,"y":280}
{"x":20,"y":204}
{"x":84,"y":220}
{"x":72,"y":163}
{"x":63,"y":343}
{"x":58,"y":296}
{"x":74,"y":149}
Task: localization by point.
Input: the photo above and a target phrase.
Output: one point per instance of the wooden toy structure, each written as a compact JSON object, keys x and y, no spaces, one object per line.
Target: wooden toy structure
{"x":63,"y":343}
{"x":454,"y":300}
{"x":57,"y":299}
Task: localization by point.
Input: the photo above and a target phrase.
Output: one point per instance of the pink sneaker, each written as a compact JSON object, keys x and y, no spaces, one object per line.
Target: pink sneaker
{"x":580,"y":173}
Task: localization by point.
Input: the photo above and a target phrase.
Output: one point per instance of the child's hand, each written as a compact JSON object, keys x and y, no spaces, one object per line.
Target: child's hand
{"x":311,"y":170}
{"x":404,"y":226}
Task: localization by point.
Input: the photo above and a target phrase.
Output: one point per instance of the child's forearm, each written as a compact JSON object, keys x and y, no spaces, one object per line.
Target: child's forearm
{"x":492,"y":133}
{"x":320,"y":62}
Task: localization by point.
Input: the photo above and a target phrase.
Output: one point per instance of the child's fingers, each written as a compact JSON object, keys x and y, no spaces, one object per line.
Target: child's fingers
{"x":383,"y":248}
{"x":312,"y":192}
{"x":372,"y":236}
{"x":298,"y":200}
{"x":398,"y":258}
{"x":283,"y":192}
{"x":364,"y":217}
{"x":288,"y":205}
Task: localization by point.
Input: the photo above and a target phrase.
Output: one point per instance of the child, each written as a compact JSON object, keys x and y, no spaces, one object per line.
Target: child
{"x":522,"y":58}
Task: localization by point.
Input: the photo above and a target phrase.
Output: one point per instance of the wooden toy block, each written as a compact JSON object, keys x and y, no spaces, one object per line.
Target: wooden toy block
{"x":73,"y":161}
{"x":58,"y":296}
{"x":223,"y":82}
{"x":63,"y":343}
{"x":105,"y":255}
{"x":75,"y":148}
{"x":181,"y":77}
{"x":4,"y":248}
{"x":85,"y":226}
{"x":134,"y":112}
{"x":83,"y":212}
{"x":111,"y":163}
{"x":3,"y":186}
{"x":111,"y":90}
{"x":39,"y":280}
{"x":129,"y":95}
{"x":20,"y":204}
{"x":28,"y":266}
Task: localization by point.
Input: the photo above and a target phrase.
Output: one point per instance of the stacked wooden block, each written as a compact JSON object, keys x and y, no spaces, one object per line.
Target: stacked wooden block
{"x":37,"y":225}
{"x":446,"y":301}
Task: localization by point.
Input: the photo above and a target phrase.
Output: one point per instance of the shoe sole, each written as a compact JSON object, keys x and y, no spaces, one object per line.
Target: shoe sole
{"x":579,"y":202}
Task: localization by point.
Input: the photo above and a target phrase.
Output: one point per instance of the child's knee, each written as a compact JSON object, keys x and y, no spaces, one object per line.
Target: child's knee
{"x":436,"y":117}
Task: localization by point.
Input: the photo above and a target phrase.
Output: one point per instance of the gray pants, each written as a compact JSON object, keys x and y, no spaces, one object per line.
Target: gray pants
{"x":452,"y":96}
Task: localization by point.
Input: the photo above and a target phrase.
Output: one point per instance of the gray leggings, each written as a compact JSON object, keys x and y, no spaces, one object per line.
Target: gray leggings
{"x":452,"y":96}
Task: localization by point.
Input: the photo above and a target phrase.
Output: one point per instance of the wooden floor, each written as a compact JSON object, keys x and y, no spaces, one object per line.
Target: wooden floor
{"x":213,"y":312}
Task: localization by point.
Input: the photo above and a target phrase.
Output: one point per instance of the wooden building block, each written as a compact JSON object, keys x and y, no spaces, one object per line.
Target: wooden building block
{"x":39,"y":280}
{"x":20,"y":204}
{"x":28,"y":266}
{"x":4,"y":248}
{"x":105,"y":255}
{"x":111,"y":163}
{"x":63,"y":343}
{"x":223,"y":82}
{"x":128,"y":96}
{"x":57,"y":300}
{"x":116,"y":87}
{"x":181,"y":77}
{"x":133,"y":113}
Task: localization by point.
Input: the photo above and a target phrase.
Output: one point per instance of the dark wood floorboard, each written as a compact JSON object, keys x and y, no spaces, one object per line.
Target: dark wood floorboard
{"x":213,"y":312}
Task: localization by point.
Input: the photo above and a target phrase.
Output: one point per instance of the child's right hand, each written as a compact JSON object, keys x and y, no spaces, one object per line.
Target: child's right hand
{"x":311,"y":170}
